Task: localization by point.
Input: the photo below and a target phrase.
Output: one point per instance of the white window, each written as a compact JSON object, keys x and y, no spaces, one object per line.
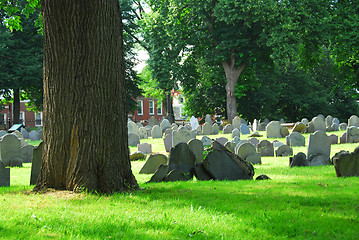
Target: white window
{"x":139,"y":107}
{"x":38,"y":119}
{"x":159,"y":108}
{"x":22,"y":118}
{"x":152,"y":107}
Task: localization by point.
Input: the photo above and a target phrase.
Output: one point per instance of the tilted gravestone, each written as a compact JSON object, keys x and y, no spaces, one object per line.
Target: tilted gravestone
{"x":346,"y":164}
{"x":230,"y":145}
{"x":201,"y":173}
{"x":224,"y":165}
{"x":236,"y":122}
{"x":10,"y":150}
{"x":156,"y":132}
{"x":206,"y":141}
{"x":215,"y":129}
{"x":133,"y":140}
{"x":299,"y":127}
{"x":4,"y":176}
{"x":265,"y":148}
{"x":352,"y":134}
{"x":319,"y":145}
{"x":36,"y":163}
{"x":167,"y":141}
{"x":183,"y":135}
{"x":160,"y":173}
{"x":295,"y":139}
{"x":144,"y":147}
{"x":273,"y":130}
{"x":197,"y":148}
{"x":353,"y":121}
{"x":152,"y":163}
{"x":245,"y":129}
{"x":206,"y":129}
{"x":284,"y":131}
{"x":262,"y":126}
{"x":228,"y":129}
{"x":182,"y":158}
{"x":247,"y":151}
{"x":137,"y":156}
{"x":222,"y":140}
{"x":284,"y":151}
{"x":298,"y":160}
{"x":176,"y":175}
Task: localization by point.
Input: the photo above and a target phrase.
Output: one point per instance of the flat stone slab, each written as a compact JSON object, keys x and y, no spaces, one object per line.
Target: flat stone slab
{"x":137,"y":156}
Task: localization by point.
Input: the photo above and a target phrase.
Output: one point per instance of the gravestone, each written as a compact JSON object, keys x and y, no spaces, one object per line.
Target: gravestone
{"x":273,"y":130}
{"x":10,"y":150}
{"x":305,"y":121}
{"x":34,"y":135}
{"x":244,"y":129}
{"x":197,"y":148}
{"x":230,"y":145}
{"x":182,"y":135}
{"x":295,"y":139}
{"x":222,"y":140}
{"x":208,"y":119}
{"x":201,"y":173}
{"x":4,"y":176}
{"x":36,"y":163}
{"x":245,"y":149}
{"x":25,"y":134}
{"x":352,"y":134}
{"x":266,"y":120}
{"x":41,"y":134}
{"x":139,"y":125}
{"x":194,"y":122}
{"x":167,"y":141}
{"x":152,"y":163}
{"x":254,"y":141}
{"x":156,"y":132}
{"x":333,"y":139}
{"x":26,"y":153}
{"x":335,"y":127}
{"x":206,"y":141}
{"x":137,"y":156}
{"x":328,"y":121}
{"x":182,"y":158}
{"x":262,"y":126}
{"x":255,"y":125}
{"x":353,"y":121}
{"x":132,"y":127}
{"x":336,"y":121}
{"x":265,"y":148}
{"x":277,"y":144}
{"x":149,"y":130}
{"x":223,"y":165}
{"x":255,"y":134}
{"x":299,"y":127}
{"x":215,"y":129}
{"x":228,"y":129}
{"x":346,"y":164}
{"x":236,"y":140}
{"x":142,"y":132}
{"x":319,"y":145}
{"x":207,"y":129}
{"x":298,"y":160}
{"x":319,"y":124}
{"x":343,"y":126}
{"x":236,"y":122}
{"x":343,"y":138}
{"x":284,"y":131}
{"x":160,"y":173}
{"x":236,"y":132}
{"x":153,"y":121}
{"x":144,"y":147}
{"x":133,"y":140}
{"x":176,"y":175}
{"x":165,"y":124}
{"x":284,"y":151}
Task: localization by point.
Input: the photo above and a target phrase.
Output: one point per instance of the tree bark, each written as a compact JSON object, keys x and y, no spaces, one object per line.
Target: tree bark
{"x":169,"y":108}
{"x":232,"y":74}
{"x":16,"y":106}
{"x":85,"y":122}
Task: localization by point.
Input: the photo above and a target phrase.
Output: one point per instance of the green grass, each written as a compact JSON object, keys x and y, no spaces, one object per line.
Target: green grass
{"x":298,"y":203}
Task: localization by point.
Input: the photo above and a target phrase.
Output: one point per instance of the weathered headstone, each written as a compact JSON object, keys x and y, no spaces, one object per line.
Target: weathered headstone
{"x":24,"y":133}
{"x":305,"y":121}
{"x":208,"y":119}
{"x":194,"y":122}
{"x":284,"y":151}
{"x":254,"y":141}
{"x":346,"y":164}
{"x":2,"y":133}
{"x":335,"y":127}
{"x":298,"y":160}
{"x":333,"y":139}
{"x":182,"y":135}
{"x":201,"y":173}
{"x":328,"y":121}
{"x":230,"y":145}
{"x":352,"y":134}
{"x":177,"y":175}
{"x":26,"y":153}
{"x":197,"y":148}
{"x":262,"y":126}
{"x":245,"y":149}
{"x":182,"y":158}
{"x":156,"y":132}
{"x":273,"y":130}
{"x":222,"y":140}
{"x":160,"y":173}
{"x":34,"y":135}
{"x":167,"y":141}
{"x":343,"y":126}
{"x":277,"y":144}
{"x":148,"y":130}
{"x":245,"y":129}
{"x":142,"y":133}
{"x":236,"y":122}
{"x":319,"y":145}
{"x":36,"y":163}
{"x":165,"y":124}
{"x":4,"y":176}
{"x":152,"y":163}
{"x":353,"y":121}
{"x":236,"y":132}
{"x":299,"y":127}
{"x":265,"y":148}
{"x":153,"y":121}
{"x":137,"y":156}
{"x":207,"y":129}
{"x":132,"y":127}
{"x":139,"y":125}
{"x":133,"y":140}
{"x":343,"y":138}
{"x":144,"y":147}
{"x":228,"y":129}
{"x":319,"y":124}
{"x":215,"y":129}
{"x":10,"y":150}
{"x":284,"y":131}
{"x":295,"y":139}
{"x":206,"y":141}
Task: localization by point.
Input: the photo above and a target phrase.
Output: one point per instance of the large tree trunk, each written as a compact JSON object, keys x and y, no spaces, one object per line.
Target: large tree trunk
{"x":85,"y":130}
{"x":16,"y":107}
{"x":169,"y":108}
{"x":232,"y":74}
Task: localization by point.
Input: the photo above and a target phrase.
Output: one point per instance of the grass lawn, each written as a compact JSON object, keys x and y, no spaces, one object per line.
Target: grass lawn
{"x":299,"y":203}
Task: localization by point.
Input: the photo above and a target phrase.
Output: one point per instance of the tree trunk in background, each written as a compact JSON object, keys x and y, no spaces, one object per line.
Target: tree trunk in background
{"x":85,"y":122}
{"x":232,"y":75}
{"x":169,"y":108}
{"x":16,"y":107}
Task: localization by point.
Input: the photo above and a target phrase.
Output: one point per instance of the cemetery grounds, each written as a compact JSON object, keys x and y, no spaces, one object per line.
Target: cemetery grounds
{"x":297,"y":203}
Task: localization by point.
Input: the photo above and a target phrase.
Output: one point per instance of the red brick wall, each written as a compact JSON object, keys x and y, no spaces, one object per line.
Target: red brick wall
{"x":146,"y":111}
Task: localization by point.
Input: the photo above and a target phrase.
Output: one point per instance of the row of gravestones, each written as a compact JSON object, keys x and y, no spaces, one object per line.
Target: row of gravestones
{"x":9,"y":144}
{"x":34,"y":135}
